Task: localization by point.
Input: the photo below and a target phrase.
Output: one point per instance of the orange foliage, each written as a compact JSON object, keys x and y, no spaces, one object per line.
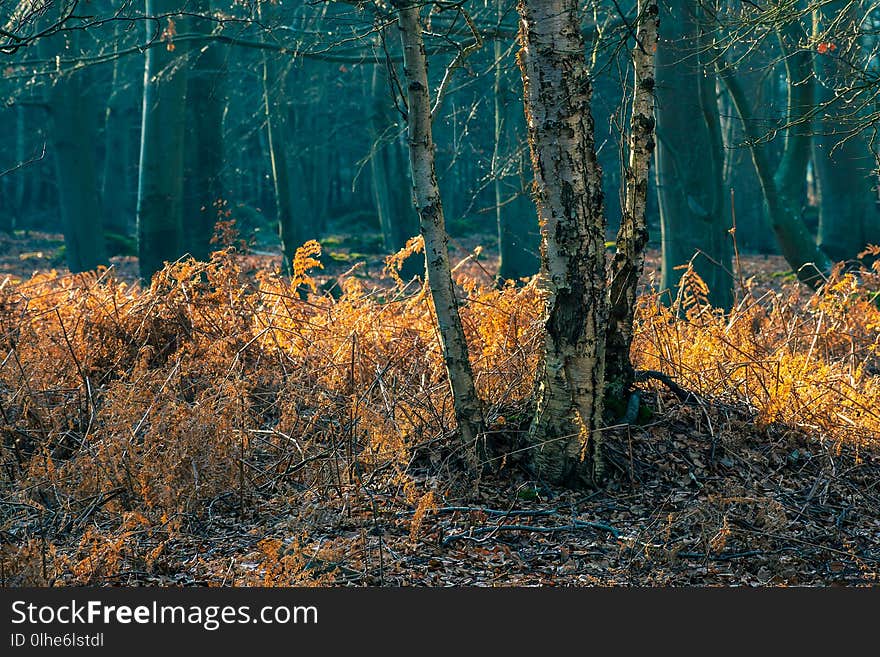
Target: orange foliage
{"x":128,"y":413}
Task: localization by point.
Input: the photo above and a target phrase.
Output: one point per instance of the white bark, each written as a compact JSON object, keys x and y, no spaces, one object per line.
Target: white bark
{"x":632,"y":237}
{"x":468,"y":411}
{"x":568,"y":191}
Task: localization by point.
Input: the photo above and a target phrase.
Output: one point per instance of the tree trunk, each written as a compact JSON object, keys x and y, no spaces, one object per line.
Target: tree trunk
{"x":564,"y":435}
{"x":289,"y":230}
{"x":160,"y":183}
{"x":73,"y":134}
{"x":397,"y":217}
{"x":632,"y":237}
{"x":203,"y":162}
{"x":694,"y":212}
{"x":118,"y":201}
{"x":518,"y":241}
{"x":468,"y":411}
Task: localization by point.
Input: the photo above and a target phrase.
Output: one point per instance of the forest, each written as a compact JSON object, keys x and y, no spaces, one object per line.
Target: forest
{"x":439,"y":293}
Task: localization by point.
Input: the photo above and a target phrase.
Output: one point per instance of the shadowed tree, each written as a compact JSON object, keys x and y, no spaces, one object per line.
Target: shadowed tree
{"x":160,"y":183}
{"x":694,"y":212}
{"x":783,"y":186}
{"x":203,"y":159}
{"x":73,"y":132}
{"x":845,"y":167}
{"x":389,"y":180}
{"x":518,"y":239}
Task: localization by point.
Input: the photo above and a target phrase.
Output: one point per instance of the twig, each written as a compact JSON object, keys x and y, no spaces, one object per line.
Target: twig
{"x":575,"y":526}
{"x":488,"y":512}
{"x":669,"y":382}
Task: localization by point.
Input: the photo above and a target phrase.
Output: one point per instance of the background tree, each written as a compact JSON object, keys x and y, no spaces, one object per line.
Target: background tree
{"x":160,"y":181}
{"x":73,"y":116}
{"x":203,"y":141}
{"x":694,"y":208}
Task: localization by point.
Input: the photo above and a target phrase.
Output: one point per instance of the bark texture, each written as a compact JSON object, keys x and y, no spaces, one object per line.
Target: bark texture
{"x":468,"y":411}
{"x":564,"y":435}
{"x":632,"y":237}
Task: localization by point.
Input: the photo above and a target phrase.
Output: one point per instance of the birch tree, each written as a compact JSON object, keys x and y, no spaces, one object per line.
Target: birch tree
{"x":564,"y":434}
{"x":468,"y":411}
{"x":632,"y":236}
{"x":579,"y":341}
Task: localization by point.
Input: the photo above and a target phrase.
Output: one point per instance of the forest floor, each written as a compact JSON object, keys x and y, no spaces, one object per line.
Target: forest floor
{"x":164,"y":440}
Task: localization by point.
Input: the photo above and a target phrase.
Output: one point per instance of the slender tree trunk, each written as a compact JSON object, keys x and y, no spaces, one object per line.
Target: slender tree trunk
{"x":298,"y":164}
{"x":160,"y":183}
{"x":468,"y":411}
{"x":518,"y":241}
{"x":289,"y":229}
{"x":73,"y":134}
{"x":632,"y":237}
{"x":203,"y":161}
{"x":119,"y":204}
{"x":568,"y":188}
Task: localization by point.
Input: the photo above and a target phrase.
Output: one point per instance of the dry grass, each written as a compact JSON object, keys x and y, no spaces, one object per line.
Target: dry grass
{"x":132,"y":417}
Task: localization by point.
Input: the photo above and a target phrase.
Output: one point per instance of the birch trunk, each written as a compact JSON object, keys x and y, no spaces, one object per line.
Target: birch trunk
{"x":468,"y":412}
{"x":632,"y":237}
{"x":568,"y":190}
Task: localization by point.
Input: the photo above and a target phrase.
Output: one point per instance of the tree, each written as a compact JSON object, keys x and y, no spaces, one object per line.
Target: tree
{"x":565,"y":435}
{"x":514,"y":211}
{"x":118,"y":194}
{"x":468,"y":410}
{"x":203,"y":159}
{"x":694,"y":212}
{"x":160,"y":181}
{"x":388,"y":166}
{"x":73,"y":133}
{"x":782,"y":186}
{"x":849,"y":216}
{"x":569,"y":199}
{"x":632,"y":236}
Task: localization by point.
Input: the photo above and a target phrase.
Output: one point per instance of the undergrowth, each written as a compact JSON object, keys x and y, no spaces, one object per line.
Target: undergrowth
{"x":131,"y":415}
